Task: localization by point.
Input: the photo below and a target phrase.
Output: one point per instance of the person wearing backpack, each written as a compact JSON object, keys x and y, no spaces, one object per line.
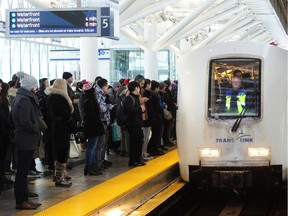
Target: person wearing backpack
{"x":134,"y":123}
{"x":124,"y":142}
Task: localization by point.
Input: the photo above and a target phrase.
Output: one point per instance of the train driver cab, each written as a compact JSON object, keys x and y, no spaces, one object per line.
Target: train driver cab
{"x":234,"y":88}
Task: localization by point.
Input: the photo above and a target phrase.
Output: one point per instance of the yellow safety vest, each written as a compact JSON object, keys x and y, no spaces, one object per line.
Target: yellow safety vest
{"x":240,"y":102}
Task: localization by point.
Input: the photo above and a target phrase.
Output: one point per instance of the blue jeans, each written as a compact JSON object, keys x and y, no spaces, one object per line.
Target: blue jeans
{"x":91,"y":150}
{"x":100,"y":149}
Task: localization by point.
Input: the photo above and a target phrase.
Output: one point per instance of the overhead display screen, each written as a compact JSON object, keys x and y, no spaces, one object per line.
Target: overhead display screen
{"x":60,"y":23}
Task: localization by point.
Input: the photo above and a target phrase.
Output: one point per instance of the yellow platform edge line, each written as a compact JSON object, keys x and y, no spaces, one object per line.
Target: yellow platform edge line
{"x":95,"y":198}
{"x":158,"y":199}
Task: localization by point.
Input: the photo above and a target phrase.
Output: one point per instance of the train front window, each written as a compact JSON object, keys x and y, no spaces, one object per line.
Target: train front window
{"x":234,"y":88}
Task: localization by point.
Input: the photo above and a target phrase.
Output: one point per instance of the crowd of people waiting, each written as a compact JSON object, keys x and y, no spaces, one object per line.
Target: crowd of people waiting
{"x":49,"y":114}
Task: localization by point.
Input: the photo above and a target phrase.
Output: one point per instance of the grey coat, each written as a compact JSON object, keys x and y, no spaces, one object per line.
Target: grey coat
{"x":25,"y":114}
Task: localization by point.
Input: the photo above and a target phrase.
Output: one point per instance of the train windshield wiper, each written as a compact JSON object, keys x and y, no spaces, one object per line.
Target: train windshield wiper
{"x":239,"y":119}
{"x":242,"y":113}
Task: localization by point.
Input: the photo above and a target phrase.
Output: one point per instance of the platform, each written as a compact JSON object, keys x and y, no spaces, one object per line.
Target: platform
{"x":90,"y":194}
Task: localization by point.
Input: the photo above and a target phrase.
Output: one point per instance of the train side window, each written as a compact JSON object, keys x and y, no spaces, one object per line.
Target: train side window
{"x":234,"y":88}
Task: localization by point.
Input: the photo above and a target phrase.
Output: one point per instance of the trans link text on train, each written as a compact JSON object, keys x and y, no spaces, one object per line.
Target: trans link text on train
{"x":231,"y":140}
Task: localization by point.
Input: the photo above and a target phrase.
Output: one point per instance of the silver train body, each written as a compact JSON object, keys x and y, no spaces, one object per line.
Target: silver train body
{"x":241,"y":149}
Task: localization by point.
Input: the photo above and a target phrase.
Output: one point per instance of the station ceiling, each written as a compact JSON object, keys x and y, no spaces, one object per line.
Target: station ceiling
{"x":184,"y":25}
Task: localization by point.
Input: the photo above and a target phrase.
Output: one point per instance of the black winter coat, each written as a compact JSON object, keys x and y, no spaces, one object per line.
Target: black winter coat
{"x":168,"y":100}
{"x":60,"y":118}
{"x":133,"y":110}
{"x":5,"y":126}
{"x":93,"y":124}
{"x":25,"y":114}
{"x":155,"y":112}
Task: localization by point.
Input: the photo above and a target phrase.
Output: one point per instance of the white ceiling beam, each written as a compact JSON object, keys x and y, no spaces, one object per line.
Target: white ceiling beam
{"x":200,"y":23}
{"x":137,"y":6}
{"x":124,"y":4}
{"x":40,"y":4}
{"x":220,"y":8}
{"x":258,"y":38}
{"x":184,"y":22}
{"x":238,"y":26}
{"x":176,"y":50}
{"x":131,"y":35}
{"x":220,"y":31}
{"x":253,"y":34}
{"x":243,"y":31}
{"x":138,"y":29}
{"x":146,"y":12}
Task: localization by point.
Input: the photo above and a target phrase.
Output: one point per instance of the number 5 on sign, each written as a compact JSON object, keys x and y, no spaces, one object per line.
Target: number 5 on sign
{"x":105,"y":23}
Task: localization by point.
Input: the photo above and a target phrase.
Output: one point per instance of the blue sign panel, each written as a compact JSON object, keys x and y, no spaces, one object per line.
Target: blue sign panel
{"x":105,"y":22}
{"x":59,"y":23}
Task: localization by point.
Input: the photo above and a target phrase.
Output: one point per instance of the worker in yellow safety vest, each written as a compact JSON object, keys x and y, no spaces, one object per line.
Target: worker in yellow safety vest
{"x":236,"y":97}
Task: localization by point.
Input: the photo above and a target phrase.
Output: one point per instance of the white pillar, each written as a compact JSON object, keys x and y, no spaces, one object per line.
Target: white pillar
{"x":150,"y":65}
{"x":89,"y":64}
{"x":150,"y":56}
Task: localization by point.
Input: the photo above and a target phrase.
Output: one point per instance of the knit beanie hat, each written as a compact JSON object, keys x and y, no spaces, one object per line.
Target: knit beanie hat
{"x":162,"y":85}
{"x":115,"y":84}
{"x":26,"y":81}
{"x":126,"y":81}
{"x":66,"y":75}
{"x":87,"y":85}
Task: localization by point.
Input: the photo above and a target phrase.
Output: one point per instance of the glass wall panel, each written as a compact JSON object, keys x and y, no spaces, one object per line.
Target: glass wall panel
{"x":5,"y":60}
{"x":15,"y":56}
{"x":25,"y":50}
{"x":129,"y":63}
{"x":43,"y":61}
{"x":35,"y":62}
{"x":119,"y":62}
{"x":52,"y":70}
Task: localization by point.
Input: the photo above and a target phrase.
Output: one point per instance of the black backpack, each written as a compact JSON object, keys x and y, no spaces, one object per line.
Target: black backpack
{"x":121,"y":116}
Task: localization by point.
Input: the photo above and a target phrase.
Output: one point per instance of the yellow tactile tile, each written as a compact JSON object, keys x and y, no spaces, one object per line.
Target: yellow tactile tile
{"x":94,"y":198}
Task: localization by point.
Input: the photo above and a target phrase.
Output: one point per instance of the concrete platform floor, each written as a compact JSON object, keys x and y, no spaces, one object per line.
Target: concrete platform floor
{"x":50,"y":195}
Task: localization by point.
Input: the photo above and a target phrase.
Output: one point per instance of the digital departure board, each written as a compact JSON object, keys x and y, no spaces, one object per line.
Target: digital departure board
{"x":60,"y":23}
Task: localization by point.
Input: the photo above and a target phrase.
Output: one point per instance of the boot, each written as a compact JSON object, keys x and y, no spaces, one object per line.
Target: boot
{"x":66,"y":175}
{"x":95,"y":169}
{"x":90,"y":171}
{"x":60,"y":180}
{"x":54,"y":176}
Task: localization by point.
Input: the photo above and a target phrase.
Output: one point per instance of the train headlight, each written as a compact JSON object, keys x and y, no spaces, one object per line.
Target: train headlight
{"x":259,"y":152}
{"x":210,"y":152}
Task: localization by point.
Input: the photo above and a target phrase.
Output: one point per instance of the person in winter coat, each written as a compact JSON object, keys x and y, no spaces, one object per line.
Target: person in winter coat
{"x":156,"y":120}
{"x":25,"y":115}
{"x":93,"y":128}
{"x":5,"y":132}
{"x":60,"y":110}
{"x":134,"y":124}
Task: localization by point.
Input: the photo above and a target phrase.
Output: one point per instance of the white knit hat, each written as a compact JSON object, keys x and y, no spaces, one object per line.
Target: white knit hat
{"x":26,"y":81}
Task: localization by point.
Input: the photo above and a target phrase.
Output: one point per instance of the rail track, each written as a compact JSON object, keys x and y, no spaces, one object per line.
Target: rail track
{"x":189,"y":201}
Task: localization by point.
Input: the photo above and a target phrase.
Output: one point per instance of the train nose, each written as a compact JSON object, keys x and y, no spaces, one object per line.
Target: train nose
{"x":231,"y":178}
{"x":226,"y":180}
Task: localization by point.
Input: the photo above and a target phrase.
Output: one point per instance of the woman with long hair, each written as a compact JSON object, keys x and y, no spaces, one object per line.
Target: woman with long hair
{"x":60,"y":111}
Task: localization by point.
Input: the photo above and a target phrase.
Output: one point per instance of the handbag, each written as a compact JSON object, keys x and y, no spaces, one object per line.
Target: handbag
{"x":167,"y":114}
{"x":116,"y":132}
{"x":40,"y":149}
{"x":75,"y":149}
{"x":42,"y":124}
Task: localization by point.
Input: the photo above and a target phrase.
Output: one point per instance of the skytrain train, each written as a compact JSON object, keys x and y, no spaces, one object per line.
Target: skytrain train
{"x":232,"y":117}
